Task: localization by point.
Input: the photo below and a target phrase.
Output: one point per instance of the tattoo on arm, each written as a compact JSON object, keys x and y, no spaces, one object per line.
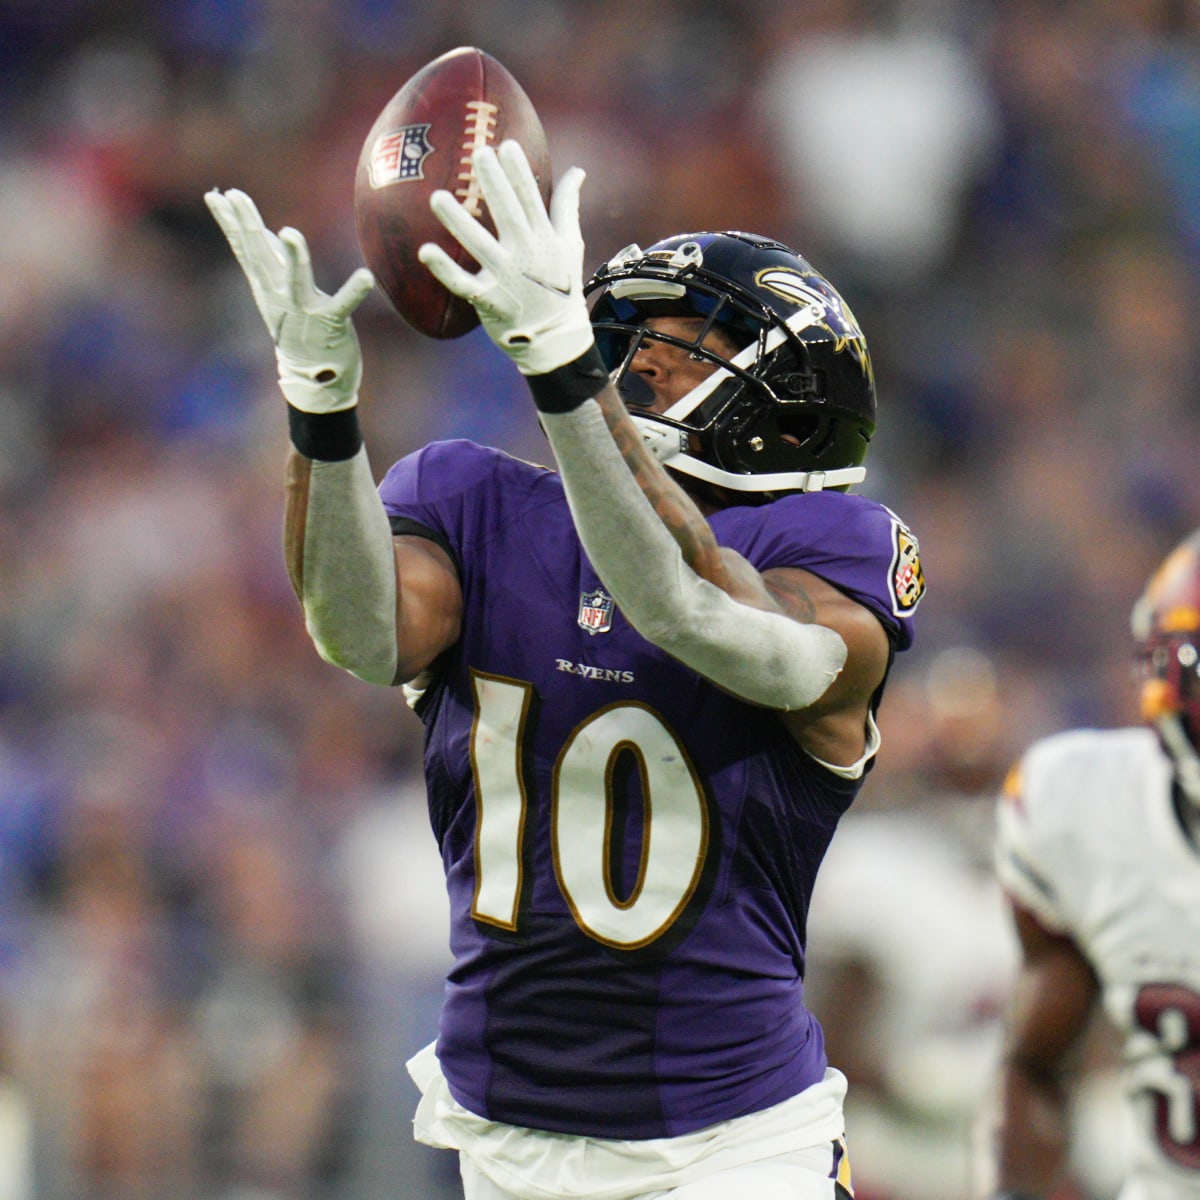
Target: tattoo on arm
{"x":674,"y":507}
{"x":299,"y":471}
{"x":792,"y":596}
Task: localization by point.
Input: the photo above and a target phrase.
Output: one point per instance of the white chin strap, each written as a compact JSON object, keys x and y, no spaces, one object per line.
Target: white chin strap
{"x":1187,"y":762}
{"x":670,"y":445}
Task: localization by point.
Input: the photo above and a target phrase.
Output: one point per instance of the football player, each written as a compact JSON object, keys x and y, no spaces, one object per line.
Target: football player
{"x":648,"y":680}
{"x":1098,"y":850}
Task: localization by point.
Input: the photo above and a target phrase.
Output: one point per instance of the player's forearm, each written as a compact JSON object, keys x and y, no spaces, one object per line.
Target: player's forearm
{"x":340,"y":558}
{"x":673,"y":506}
{"x":680,"y":515}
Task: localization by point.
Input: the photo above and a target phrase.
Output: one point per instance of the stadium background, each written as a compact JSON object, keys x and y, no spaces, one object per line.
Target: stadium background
{"x":220,"y":922}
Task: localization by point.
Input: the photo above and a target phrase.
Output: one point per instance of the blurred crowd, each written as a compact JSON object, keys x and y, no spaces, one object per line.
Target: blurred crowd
{"x":221,"y":926}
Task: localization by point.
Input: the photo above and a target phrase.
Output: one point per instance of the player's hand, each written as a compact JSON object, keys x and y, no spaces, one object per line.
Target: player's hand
{"x":316,"y":348}
{"x":529,"y":289}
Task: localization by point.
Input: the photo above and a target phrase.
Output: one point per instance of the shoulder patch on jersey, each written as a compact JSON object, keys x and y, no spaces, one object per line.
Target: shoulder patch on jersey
{"x":906,"y":578}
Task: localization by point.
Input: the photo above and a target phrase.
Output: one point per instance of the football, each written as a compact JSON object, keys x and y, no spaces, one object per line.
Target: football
{"x":421,"y":141}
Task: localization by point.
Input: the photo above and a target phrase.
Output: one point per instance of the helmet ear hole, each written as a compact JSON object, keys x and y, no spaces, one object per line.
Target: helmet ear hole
{"x":799,"y":428}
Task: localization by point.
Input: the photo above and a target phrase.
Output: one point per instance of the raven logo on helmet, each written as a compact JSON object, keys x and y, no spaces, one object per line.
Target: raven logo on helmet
{"x":831,"y":312}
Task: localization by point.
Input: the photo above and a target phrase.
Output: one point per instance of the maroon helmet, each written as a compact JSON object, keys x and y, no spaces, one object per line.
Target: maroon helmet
{"x":1166,"y":629}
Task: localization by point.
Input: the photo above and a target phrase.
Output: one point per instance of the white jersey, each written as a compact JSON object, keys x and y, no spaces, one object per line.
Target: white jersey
{"x":1088,"y":840}
{"x":901,"y":894}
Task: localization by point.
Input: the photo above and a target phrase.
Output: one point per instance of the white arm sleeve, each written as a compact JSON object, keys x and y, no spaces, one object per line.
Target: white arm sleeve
{"x":763,"y":657}
{"x":348,"y":580}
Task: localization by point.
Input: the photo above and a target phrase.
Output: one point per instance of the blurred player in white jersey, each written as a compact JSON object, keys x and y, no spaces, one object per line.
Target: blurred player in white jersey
{"x":910,"y":943}
{"x":1098,"y":850}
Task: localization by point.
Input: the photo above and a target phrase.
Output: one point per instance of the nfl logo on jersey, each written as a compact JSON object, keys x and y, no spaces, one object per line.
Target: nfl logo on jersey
{"x":595,"y":611}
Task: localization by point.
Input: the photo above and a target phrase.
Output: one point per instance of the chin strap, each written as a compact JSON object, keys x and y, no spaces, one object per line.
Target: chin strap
{"x":1183,"y":753}
{"x":669,"y":446}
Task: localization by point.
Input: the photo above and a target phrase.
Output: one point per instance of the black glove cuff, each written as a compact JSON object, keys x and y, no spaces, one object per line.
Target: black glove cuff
{"x":328,"y":437}
{"x":565,"y":388}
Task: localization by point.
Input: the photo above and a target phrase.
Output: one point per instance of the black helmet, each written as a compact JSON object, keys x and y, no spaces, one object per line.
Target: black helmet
{"x":794,"y":410}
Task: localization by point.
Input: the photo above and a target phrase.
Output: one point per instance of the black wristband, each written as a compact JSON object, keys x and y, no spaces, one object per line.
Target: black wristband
{"x":329,"y":437}
{"x":565,"y":388}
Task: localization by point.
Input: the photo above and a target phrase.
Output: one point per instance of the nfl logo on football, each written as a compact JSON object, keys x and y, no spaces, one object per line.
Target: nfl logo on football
{"x":400,"y":155}
{"x":595,"y":611}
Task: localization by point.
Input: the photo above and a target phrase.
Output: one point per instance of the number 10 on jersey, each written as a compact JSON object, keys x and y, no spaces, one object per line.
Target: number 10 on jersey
{"x":675,"y":837}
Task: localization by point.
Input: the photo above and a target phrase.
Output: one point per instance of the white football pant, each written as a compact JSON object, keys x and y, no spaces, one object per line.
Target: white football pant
{"x":801,"y":1175}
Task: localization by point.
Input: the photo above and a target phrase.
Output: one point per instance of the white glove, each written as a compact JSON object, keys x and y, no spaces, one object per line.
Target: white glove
{"x":320,"y":364}
{"x":529,"y":290}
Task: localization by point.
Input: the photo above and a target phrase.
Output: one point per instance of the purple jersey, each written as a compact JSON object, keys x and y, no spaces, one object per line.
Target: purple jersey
{"x":629,"y":850}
